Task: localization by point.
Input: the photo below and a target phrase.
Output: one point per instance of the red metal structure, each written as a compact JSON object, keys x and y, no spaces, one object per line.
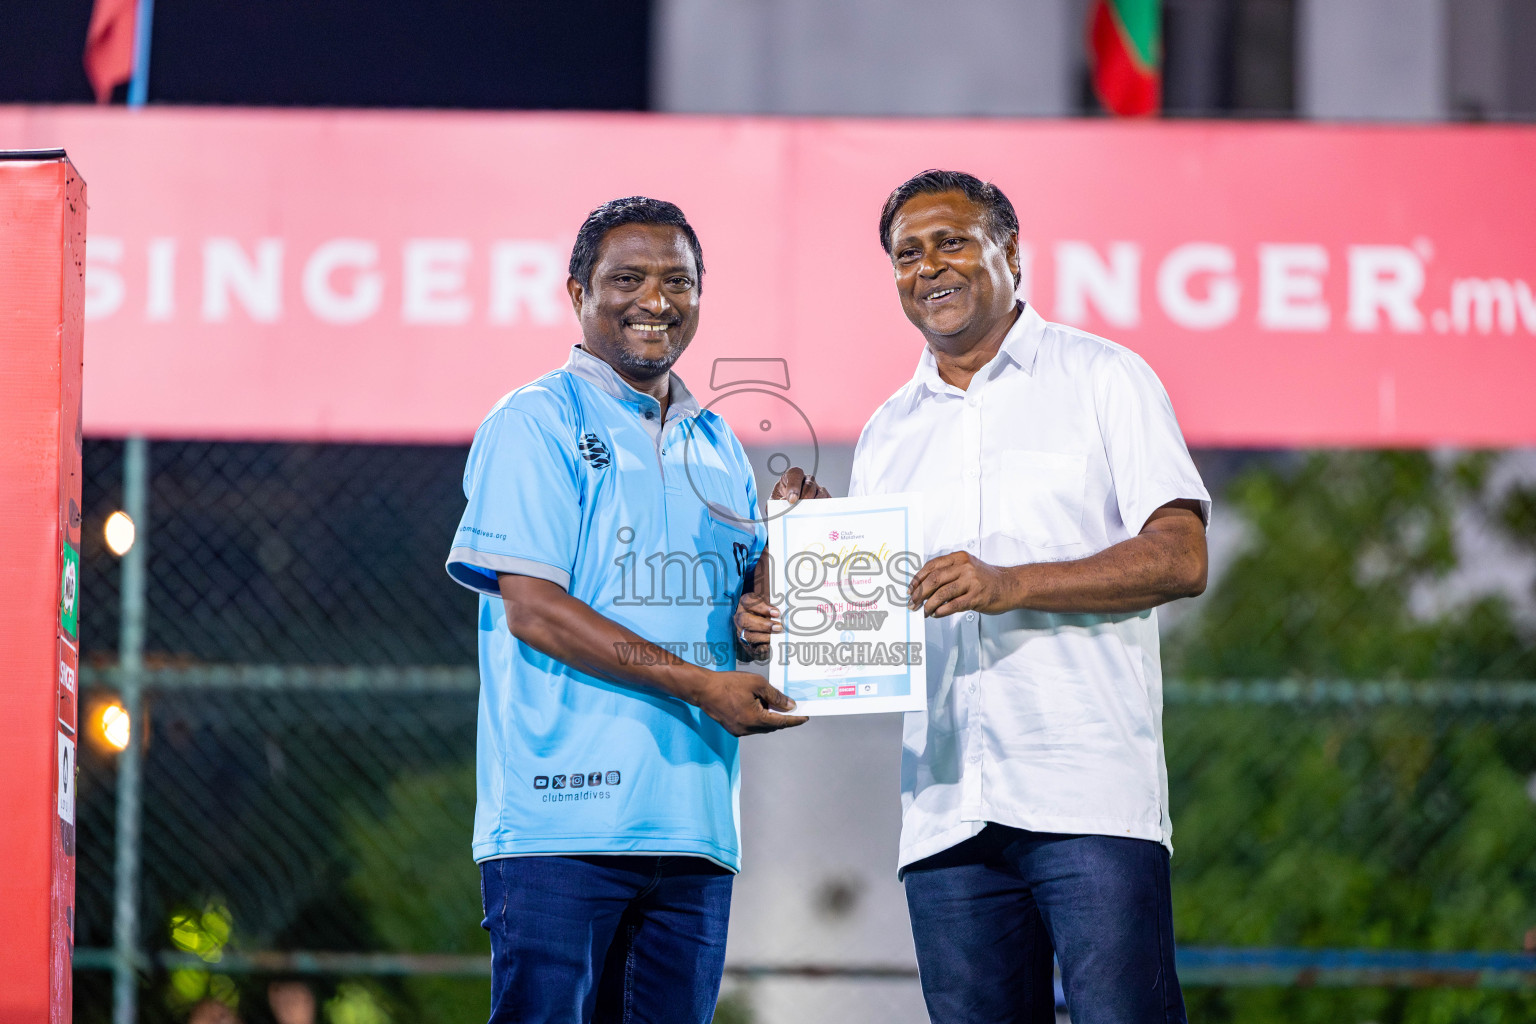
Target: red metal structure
{"x":42,"y":281}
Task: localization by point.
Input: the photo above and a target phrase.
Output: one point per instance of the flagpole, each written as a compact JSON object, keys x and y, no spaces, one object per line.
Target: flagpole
{"x":127,"y":960}
{"x":138,"y":85}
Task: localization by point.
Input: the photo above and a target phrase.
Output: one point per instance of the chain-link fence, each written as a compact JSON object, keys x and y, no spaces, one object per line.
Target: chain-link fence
{"x":304,"y":783}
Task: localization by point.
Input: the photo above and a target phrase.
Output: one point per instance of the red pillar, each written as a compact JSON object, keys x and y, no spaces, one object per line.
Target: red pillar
{"x":42,"y":283}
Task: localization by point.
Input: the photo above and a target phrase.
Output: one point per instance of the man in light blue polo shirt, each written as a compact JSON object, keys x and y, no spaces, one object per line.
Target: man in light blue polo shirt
{"x":611,"y":529}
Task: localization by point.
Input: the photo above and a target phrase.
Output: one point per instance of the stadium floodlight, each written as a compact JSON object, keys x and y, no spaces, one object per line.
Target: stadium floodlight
{"x":113,"y":726}
{"x":119,"y":532}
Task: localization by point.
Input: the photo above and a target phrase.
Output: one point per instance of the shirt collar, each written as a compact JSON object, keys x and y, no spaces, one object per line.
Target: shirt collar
{"x":1021,"y":344}
{"x":593,"y":370}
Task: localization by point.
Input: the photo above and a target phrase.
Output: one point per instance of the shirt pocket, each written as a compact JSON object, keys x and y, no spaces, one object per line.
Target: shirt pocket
{"x":1040,"y":497}
{"x":734,"y":540}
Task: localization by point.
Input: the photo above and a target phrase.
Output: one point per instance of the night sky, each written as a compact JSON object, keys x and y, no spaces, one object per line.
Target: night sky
{"x":491,"y":54}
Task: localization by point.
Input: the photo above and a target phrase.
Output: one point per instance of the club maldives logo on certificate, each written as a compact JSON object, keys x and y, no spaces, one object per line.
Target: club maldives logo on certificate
{"x":841,"y":567}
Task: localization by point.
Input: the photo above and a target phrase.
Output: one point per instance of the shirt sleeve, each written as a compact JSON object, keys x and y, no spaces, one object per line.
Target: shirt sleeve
{"x":1148,"y":460}
{"x":523,"y":508}
{"x":858,"y":475}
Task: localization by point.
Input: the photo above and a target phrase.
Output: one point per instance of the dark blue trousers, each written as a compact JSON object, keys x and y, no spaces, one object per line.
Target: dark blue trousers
{"x":631,"y":939}
{"x":988,"y":914}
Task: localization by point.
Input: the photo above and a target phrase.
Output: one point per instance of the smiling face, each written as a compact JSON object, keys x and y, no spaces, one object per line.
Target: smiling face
{"x":642,"y":308}
{"x":956,"y":281}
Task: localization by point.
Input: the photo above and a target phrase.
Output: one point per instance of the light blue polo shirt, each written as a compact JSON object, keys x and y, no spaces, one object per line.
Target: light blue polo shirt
{"x":574,"y":479}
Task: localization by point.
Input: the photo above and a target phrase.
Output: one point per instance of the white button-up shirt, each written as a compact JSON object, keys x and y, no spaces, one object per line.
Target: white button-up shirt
{"x":1063,"y":445}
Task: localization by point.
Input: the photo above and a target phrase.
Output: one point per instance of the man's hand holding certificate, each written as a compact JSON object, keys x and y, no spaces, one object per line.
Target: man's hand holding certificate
{"x":841,"y":569}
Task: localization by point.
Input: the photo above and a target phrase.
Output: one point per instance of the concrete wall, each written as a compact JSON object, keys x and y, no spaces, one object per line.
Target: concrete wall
{"x":1420,"y":60}
{"x":821,"y":816}
{"x":871,"y":57}
{"x":1415,"y":60}
{"x":1372,"y":59}
{"x":1492,"y":70}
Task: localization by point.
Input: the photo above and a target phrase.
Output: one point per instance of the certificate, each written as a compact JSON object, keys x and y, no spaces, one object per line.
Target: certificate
{"x":841,"y":567}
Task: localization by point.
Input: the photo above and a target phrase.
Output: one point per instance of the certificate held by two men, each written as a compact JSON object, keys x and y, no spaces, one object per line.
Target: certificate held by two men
{"x":841,"y":567}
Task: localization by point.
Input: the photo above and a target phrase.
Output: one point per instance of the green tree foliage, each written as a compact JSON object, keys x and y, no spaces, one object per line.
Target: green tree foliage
{"x":420,"y":890}
{"x":1329,"y":826}
{"x":1337,"y":548}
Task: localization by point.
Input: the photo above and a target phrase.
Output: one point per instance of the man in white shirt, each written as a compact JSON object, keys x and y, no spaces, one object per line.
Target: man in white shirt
{"x":1062,"y":506}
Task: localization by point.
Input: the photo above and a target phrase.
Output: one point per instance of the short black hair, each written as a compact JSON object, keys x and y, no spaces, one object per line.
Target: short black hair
{"x":629,"y":210}
{"x":1001,"y":220}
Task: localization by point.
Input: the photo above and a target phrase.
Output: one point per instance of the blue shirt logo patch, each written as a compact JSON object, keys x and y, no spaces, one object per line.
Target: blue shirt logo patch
{"x":594,"y":451}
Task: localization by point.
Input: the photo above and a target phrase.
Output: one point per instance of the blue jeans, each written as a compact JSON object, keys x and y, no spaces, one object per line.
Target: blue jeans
{"x":597,"y":939}
{"x":988,"y":913}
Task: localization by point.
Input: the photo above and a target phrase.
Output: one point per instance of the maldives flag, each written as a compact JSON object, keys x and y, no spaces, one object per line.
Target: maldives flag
{"x":109,"y":46}
{"x":1126,"y":40}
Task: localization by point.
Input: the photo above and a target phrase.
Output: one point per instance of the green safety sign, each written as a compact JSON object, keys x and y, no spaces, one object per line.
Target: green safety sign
{"x":69,"y":592}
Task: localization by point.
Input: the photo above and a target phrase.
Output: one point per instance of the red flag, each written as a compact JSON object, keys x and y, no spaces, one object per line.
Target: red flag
{"x":109,"y":46}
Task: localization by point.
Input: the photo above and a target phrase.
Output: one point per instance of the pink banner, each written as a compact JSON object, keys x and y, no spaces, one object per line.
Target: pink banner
{"x":387,"y":275}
